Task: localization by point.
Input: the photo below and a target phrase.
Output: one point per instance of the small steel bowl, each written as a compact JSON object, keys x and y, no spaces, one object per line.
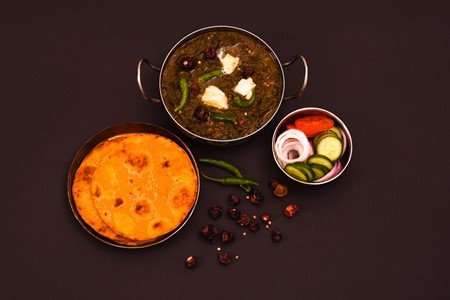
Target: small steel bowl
{"x":281,"y":127}
{"x":105,"y":134}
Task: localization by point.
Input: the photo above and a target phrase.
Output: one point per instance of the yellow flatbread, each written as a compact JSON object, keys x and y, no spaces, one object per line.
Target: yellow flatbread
{"x":135,"y":188}
{"x":81,"y":191}
{"x":145,"y":187}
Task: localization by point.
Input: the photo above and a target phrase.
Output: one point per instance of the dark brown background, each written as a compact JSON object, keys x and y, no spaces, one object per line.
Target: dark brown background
{"x":380,"y":231}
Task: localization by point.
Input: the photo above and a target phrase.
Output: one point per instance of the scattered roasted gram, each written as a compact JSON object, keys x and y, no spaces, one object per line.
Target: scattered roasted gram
{"x":255,"y":196}
{"x":224,"y":257}
{"x":276,"y":235}
{"x":233,"y":200}
{"x":215,"y":212}
{"x":266,"y":218}
{"x":290,"y":210}
{"x":233,"y":213}
{"x":210,"y":233}
{"x":278,"y":189}
{"x":227,"y":237}
{"x":191,"y":261}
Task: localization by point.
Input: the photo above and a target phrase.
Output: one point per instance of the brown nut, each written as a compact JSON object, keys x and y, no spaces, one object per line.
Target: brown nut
{"x":266,"y":218}
{"x":224,"y":257}
{"x":276,"y":235}
{"x":255,"y":196}
{"x":191,"y":261}
{"x":290,"y":210}
{"x":280,"y":190}
{"x":244,"y":220}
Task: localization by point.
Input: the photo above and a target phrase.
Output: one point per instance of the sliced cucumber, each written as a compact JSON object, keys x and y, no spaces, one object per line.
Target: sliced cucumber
{"x":300,"y":170}
{"x":320,"y":160}
{"x":322,"y":135}
{"x":297,"y":173}
{"x":306,"y":168}
{"x":337,"y":131}
{"x":330,"y":146}
{"x":319,"y":170}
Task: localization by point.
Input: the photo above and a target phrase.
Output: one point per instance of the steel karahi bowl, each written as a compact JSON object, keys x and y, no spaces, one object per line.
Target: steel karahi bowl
{"x":186,"y":42}
{"x":106,"y":134}
{"x":341,"y":163}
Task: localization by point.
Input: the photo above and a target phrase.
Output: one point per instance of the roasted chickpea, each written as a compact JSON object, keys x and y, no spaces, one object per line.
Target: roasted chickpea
{"x":290,"y":210}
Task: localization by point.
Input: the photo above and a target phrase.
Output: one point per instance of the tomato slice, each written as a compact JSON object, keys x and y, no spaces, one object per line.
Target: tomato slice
{"x":290,"y":126}
{"x":313,"y":125}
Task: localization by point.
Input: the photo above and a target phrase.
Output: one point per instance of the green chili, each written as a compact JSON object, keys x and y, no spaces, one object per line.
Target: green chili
{"x":184,"y":93}
{"x":232,"y":180}
{"x":224,"y":165}
{"x":210,"y":75}
{"x":224,"y":118}
{"x":241,"y":103}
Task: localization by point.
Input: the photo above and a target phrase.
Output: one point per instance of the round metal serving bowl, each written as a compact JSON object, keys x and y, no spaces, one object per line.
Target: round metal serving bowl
{"x":105,"y":134}
{"x":197,"y":33}
{"x":310,"y":111}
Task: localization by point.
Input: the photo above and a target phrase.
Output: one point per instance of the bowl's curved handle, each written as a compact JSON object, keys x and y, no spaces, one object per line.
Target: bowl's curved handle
{"x":139,"y":81}
{"x":305,"y":78}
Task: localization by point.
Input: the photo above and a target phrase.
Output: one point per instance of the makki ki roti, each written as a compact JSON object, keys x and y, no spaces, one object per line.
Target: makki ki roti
{"x":145,"y":187}
{"x":135,"y":187}
{"x":81,"y":191}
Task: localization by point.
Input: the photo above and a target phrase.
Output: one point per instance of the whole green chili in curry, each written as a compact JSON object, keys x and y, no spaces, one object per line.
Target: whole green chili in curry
{"x":184,"y":93}
{"x":200,"y":61}
{"x":244,"y":103}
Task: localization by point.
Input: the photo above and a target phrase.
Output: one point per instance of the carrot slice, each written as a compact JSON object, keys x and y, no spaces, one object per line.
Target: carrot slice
{"x":290,"y":126}
{"x":313,"y":125}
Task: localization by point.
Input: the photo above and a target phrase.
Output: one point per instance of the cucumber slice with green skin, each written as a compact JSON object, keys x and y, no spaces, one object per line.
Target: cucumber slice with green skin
{"x":305,"y":167}
{"x":330,"y":146}
{"x":319,"y":170}
{"x":337,"y":131}
{"x":322,"y":135}
{"x":297,"y":173}
{"x":320,"y":160}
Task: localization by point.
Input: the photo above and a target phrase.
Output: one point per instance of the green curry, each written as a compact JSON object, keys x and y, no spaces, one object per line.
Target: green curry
{"x":222,"y":85}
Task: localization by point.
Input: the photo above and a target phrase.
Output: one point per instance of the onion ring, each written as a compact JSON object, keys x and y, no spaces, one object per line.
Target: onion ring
{"x":291,"y":146}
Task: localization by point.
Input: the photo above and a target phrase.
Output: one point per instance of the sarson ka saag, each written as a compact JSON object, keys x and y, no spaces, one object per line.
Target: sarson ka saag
{"x":222,"y":84}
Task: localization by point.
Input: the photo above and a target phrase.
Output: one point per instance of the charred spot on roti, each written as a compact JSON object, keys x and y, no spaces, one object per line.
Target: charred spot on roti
{"x":87,"y":173}
{"x":138,"y":162}
{"x":165,"y":164}
{"x":156,"y":225}
{"x":118,"y":202}
{"x":142,"y":208}
{"x":97,"y":192}
{"x":181,"y":199}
